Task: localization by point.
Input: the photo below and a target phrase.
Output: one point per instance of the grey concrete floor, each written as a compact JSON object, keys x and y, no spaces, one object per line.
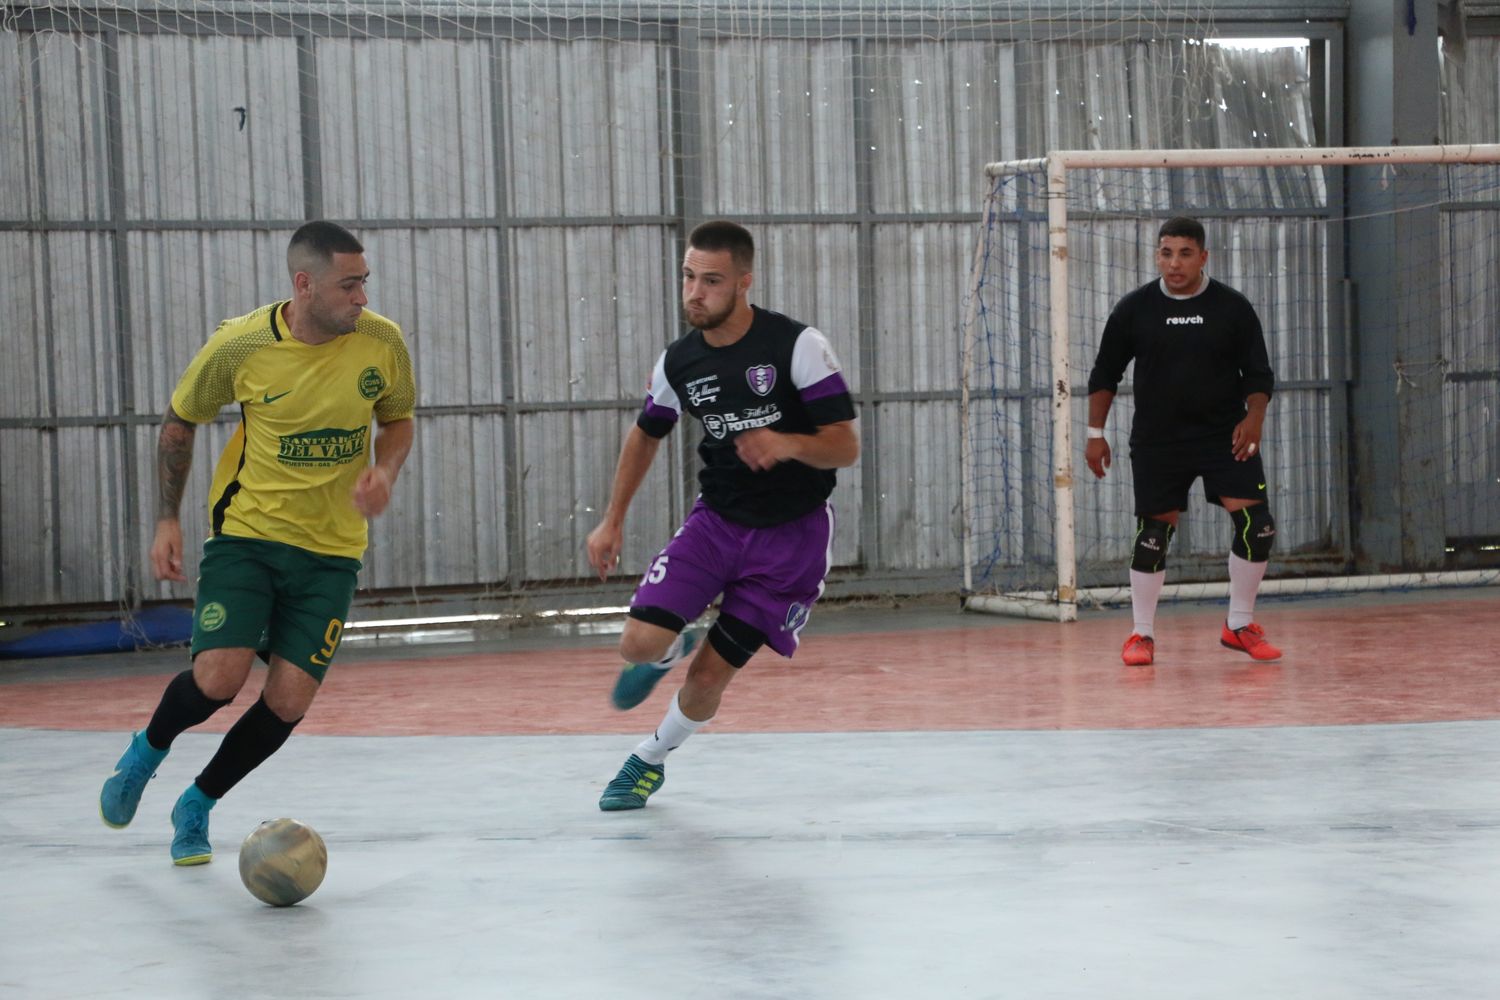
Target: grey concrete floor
{"x":1354,"y":861}
{"x":1350,"y":861}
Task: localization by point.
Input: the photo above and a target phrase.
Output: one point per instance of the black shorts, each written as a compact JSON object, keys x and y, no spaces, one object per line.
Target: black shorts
{"x":1164,"y":474}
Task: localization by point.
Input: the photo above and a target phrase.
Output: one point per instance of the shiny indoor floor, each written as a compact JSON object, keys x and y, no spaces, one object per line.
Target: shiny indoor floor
{"x":924,"y":804}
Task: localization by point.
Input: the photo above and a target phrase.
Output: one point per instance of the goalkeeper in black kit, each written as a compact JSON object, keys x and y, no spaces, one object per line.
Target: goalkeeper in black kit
{"x":1202,"y":385}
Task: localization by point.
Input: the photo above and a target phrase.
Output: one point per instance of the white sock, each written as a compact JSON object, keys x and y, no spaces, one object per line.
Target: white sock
{"x":673,"y":652}
{"x":675,"y":728}
{"x":1145,"y":588}
{"x":1244,"y":581}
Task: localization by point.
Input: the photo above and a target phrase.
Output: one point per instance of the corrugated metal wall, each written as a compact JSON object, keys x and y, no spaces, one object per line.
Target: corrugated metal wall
{"x":521,"y":185}
{"x":1471,"y":383}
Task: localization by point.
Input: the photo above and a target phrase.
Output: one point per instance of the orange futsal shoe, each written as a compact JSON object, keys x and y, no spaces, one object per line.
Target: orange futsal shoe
{"x":1139,"y":651}
{"x":1250,"y":639}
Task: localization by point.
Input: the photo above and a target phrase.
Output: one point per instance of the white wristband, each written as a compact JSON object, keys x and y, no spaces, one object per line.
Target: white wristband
{"x":1096,"y":432}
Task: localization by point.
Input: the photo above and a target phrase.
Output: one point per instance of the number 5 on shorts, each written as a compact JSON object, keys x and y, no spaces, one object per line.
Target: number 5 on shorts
{"x":657,"y":572}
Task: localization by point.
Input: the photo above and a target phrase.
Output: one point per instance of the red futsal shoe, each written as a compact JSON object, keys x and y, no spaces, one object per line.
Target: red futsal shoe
{"x":1139,"y":651}
{"x":1250,"y":639}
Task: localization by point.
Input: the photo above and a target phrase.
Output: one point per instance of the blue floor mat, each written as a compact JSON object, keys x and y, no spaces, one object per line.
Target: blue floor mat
{"x":160,"y":626}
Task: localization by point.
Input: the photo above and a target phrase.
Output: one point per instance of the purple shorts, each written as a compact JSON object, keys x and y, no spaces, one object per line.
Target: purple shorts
{"x":770,"y":577}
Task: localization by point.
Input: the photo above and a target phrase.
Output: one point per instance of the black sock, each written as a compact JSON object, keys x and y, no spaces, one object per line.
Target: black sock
{"x":257,"y":735}
{"x":182,"y":707}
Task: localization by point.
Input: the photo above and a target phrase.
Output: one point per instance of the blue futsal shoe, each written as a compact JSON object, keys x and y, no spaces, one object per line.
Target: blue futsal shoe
{"x":638,"y":680}
{"x":190,"y":818}
{"x":633,"y":785}
{"x":122,"y":790}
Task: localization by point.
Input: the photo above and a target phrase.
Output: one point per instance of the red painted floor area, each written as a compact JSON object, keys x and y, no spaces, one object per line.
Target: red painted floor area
{"x":1420,"y":662}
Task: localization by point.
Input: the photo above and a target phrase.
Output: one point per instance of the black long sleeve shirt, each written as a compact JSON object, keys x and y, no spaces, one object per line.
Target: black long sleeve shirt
{"x":1196,"y":360}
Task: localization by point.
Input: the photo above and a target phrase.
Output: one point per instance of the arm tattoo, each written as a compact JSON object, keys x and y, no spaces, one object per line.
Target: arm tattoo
{"x":174,"y":457}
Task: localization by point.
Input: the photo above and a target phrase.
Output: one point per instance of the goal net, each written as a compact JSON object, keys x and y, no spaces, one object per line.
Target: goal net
{"x":1372,"y":273}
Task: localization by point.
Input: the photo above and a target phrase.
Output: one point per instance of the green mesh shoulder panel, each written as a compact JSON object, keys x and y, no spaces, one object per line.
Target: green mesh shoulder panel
{"x":208,"y":384}
{"x":400,"y":398}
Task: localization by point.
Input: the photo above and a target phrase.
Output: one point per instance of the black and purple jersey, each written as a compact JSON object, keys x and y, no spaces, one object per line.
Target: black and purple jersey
{"x":781,"y":374}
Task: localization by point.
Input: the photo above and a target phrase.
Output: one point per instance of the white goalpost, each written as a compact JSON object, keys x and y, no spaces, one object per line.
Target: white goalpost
{"x":1062,"y":237}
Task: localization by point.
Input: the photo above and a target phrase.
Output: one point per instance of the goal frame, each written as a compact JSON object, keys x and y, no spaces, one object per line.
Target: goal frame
{"x":1062,"y":603}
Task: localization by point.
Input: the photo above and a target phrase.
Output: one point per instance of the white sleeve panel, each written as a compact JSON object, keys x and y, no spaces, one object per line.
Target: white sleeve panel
{"x":813,"y":359}
{"x":659,"y":392}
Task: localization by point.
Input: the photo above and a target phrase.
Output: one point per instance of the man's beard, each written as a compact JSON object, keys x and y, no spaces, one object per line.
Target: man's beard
{"x":711,"y":320}
{"x":330,"y":325}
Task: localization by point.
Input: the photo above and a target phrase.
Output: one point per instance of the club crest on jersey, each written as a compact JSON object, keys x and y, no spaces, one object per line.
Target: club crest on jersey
{"x":762,"y":378}
{"x":714,"y":424}
{"x":796,"y":617}
{"x":371,"y":382}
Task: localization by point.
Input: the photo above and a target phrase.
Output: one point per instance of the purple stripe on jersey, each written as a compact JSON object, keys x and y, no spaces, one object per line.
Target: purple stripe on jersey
{"x":833,"y":385}
{"x":655,"y":411}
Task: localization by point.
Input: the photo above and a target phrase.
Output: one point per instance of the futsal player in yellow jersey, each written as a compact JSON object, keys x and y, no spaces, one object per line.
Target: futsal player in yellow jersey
{"x":287,"y":514}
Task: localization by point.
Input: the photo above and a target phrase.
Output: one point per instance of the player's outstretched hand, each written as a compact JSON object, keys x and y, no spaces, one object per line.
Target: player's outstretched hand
{"x":603,"y":546}
{"x":372,"y":491}
{"x":762,"y":449}
{"x":1096,"y":454}
{"x":166,"y":550}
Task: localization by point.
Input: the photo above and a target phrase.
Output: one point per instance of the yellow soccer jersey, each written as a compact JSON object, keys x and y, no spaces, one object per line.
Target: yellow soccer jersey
{"x":288,"y":473}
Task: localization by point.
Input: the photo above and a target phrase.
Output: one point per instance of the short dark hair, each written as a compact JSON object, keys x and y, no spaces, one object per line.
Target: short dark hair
{"x":721,"y":235}
{"x":319,"y":239}
{"x":1181,"y":225}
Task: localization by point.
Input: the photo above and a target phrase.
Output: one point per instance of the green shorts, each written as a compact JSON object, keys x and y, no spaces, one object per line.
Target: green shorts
{"x":273,"y":598}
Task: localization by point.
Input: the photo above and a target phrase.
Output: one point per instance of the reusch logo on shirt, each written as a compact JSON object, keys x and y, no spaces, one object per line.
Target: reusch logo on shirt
{"x":330,"y":446}
{"x":1179,"y":320}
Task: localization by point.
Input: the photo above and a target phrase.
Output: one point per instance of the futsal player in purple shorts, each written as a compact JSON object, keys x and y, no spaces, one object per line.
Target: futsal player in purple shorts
{"x":777,"y":420}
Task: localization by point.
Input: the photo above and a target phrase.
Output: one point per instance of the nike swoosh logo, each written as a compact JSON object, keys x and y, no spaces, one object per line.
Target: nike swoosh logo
{"x":268,"y":398}
{"x":1261,"y":486}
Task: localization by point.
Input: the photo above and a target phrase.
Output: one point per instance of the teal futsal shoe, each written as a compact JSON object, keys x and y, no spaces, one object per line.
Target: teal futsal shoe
{"x":122,"y":790}
{"x":190,"y":819}
{"x":633,"y":785}
{"x":638,"y":680}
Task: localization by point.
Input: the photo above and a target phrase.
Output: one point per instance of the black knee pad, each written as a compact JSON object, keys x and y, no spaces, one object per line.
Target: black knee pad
{"x":1254,"y":533}
{"x":735,"y":640}
{"x":653,"y":615}
{"x":1152,"y":537}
